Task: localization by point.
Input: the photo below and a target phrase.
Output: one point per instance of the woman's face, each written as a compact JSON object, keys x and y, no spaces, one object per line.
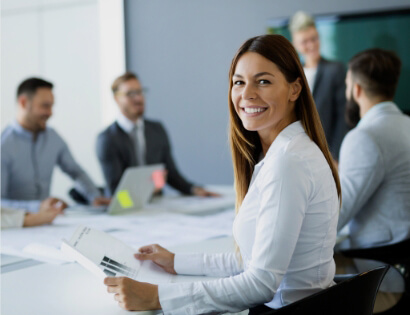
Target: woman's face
{"x":262,"y":97}
{"x":307,"y":43}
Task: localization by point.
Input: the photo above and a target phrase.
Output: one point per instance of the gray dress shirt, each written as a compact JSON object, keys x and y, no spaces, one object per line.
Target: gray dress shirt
{"x":27,"y":167}
{"x":374,"y":173}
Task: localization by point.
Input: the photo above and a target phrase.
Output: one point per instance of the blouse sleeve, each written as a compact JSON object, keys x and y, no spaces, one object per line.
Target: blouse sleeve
{"x":212,"y":265}
{"x":284,"y":192}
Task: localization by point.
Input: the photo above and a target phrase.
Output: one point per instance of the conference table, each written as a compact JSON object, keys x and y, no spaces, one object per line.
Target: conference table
{"x":35,"y":280}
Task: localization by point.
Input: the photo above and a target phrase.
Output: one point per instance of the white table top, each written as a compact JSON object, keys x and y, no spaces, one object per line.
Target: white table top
{"x":37,"y":288}
{"x":70,"y":289}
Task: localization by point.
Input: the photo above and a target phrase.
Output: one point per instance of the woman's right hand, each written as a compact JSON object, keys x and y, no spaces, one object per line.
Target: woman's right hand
{"x":158,"y":255}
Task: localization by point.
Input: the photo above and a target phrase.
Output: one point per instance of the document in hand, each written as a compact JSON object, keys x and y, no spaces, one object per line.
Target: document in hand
{"x":106,"y":256}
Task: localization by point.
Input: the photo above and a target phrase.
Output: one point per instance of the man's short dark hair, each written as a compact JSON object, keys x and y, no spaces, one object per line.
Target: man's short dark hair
{"x":29,"y":86}
{"x":121,"y":79}
{"x":377,"y":71}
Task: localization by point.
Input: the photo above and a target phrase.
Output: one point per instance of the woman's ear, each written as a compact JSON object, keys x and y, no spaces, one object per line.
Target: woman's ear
{"x":295,"y":89}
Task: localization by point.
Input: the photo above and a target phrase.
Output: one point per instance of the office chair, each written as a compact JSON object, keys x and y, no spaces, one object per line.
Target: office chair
{"x":354,"y":296}
{"x":398,"y":257}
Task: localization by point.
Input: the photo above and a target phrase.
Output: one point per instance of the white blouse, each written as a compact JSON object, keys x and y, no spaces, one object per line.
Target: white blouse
{"x":285,"y":229}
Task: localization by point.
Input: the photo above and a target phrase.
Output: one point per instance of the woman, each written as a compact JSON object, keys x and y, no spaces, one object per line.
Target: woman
{"x":326,"y":79}
{"x":287,"y":199}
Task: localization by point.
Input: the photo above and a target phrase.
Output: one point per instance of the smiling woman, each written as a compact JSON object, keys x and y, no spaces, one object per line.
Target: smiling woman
{"x":263,"y":100}
{"x":288,"y":195}
{"x":278,"y":54}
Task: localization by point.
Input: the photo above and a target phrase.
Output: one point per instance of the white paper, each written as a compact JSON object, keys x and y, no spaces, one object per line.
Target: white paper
{"x":105,"y":255}
{"x":195,"y":204}
{"x":138,"y":229}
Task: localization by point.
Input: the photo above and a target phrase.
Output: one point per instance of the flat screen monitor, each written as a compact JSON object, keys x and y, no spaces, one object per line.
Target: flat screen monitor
{"x":344,"y":35}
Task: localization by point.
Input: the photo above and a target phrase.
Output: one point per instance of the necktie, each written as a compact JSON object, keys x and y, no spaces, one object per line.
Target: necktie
{"x":137,"y":135}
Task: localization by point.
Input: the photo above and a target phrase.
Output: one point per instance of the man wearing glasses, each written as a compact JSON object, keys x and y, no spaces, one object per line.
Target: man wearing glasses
{"x":133,"y":140}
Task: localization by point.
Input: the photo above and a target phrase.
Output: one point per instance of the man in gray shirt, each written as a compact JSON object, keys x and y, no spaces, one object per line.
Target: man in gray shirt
{"x":374,"y":166}
{"x":30,"y":150}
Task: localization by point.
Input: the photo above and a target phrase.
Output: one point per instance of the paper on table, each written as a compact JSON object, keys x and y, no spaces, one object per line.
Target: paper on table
{"x":43,"y":242}
{"x":169,"y":229}
{"x":165,"y":228}
{"x":195,"y":204}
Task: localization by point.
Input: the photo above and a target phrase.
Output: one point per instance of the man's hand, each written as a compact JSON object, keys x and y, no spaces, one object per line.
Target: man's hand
{"x":101,"y":201}
{"x":49,"y":209}
{"x":132,"y":295}
{"x":201,"y":192}
{"x":52,"y":203}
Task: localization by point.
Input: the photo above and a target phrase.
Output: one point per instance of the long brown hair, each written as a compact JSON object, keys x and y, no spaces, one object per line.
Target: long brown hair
{"x":245,"y":145}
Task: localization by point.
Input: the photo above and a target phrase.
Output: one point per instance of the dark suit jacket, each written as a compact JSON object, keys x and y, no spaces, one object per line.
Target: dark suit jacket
{"x":116,"y":152}
{"x":329,"y":95}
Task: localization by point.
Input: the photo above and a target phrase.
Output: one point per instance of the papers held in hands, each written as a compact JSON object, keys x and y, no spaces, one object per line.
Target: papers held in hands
{"x":106,"y":256}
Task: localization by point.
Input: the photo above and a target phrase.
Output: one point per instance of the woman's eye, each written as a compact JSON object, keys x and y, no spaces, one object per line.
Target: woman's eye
{"x":264,"y":82}
{"x":238,"y":83}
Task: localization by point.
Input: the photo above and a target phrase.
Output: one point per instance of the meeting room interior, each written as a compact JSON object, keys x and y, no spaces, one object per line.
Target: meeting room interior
{"x":205,"y":157}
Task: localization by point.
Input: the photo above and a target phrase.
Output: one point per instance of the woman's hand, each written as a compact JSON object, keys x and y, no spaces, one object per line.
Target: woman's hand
{"x":132,"y":295}
{"x":159,"y":255}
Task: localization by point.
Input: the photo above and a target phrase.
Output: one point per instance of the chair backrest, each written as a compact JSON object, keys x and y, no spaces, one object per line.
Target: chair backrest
{"x":398,"y":256}
{"x":392,"y":254}
{"x":354,"y":296}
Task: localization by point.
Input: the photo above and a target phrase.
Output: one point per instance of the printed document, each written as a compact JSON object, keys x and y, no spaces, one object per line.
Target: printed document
{"x":107,"y":256}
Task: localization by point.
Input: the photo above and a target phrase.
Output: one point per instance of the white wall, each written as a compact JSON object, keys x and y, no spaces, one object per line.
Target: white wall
{"x":182,"y":50}
{"x":61,"y":41}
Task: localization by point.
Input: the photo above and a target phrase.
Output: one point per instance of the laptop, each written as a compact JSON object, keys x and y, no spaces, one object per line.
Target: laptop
{"x":133,"y":192}
{"x":135,"y":188}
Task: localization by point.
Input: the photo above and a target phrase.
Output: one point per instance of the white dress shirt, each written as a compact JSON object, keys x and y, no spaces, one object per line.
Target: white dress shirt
{"x":138,"y":127}
{"x":285,"y":229}
{"x":310,"y":74}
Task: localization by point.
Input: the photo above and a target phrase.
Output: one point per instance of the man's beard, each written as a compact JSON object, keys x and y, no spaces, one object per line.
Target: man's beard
{"x":352,"y":113}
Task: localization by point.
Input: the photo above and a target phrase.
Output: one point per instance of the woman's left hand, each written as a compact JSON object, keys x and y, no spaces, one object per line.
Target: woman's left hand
{"x":132,"y":295}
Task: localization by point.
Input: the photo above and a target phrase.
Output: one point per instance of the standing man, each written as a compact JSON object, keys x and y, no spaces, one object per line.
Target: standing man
{"x":374,"y":166}
{"x":30,"y":150}
{"x":133,"y":140}
{"x":325,"y":79}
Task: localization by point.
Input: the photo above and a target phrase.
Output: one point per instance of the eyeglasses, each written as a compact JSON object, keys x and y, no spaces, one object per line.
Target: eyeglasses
{"x":312,"y":39}
{"x":133,"y":93}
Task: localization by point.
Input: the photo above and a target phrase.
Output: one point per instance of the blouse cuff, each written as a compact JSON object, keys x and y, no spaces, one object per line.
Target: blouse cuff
{"x":176,"y":298}
{"x":189,"y":264}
